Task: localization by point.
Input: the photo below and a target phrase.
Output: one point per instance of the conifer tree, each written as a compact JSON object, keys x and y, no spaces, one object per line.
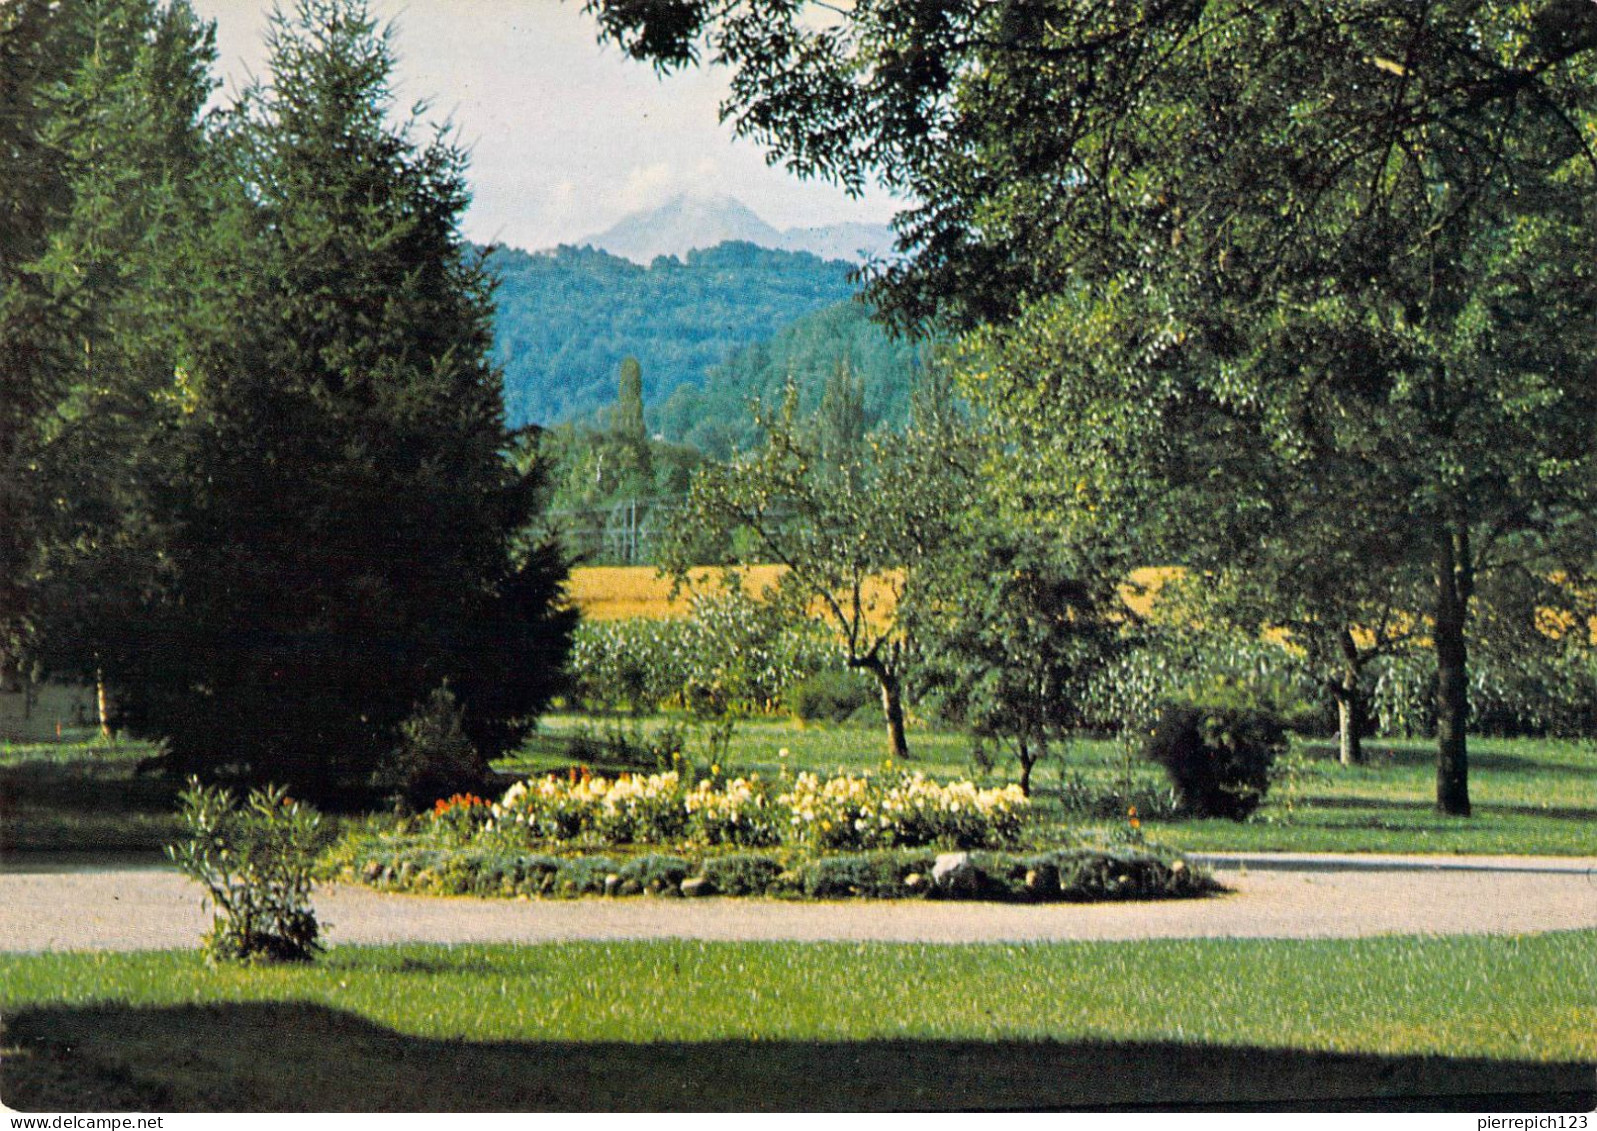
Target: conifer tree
{"x":342,"y":516}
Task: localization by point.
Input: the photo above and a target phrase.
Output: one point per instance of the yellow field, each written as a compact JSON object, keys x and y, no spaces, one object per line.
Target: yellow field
{"x":624,"y":592}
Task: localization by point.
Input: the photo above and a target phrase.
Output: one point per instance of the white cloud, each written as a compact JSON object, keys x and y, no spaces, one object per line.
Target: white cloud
{"x":647,"y":186}
{"x":565,"y":136}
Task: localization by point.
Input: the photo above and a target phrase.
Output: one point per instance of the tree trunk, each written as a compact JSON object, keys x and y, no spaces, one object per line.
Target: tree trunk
{"x":102,"y":706}
{"x":1024,"y":755}
{"x":1349,"y":706}
{"x":1452,"y":675}
{"x":892,"y":707}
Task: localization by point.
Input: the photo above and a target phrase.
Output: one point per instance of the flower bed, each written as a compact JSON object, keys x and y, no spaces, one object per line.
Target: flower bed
{"x":899,"y":836}
{"x":839,"y":812}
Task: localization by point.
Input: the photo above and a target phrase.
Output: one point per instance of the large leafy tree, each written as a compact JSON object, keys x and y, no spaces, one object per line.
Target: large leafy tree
{"x":1357,"y":232}
{"x":341,"y":516}
{"x":106,"y":104}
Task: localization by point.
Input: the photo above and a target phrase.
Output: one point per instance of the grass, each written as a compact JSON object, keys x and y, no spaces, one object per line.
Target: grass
{"x":670,"y":1024}
{"x":1531,"y":796}
{"x":83,"y":794}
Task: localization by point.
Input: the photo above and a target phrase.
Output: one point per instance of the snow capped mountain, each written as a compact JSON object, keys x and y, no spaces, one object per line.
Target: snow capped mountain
{"x":687,"y":223}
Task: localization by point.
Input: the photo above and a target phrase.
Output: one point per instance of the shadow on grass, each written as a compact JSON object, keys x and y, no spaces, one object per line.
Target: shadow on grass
{"x":308,"y":1057}
{"x":1584,"y":814}
{"x":1378,"y":755}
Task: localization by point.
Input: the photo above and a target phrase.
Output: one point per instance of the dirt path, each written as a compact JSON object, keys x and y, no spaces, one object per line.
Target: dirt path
{"x":154,"y":908}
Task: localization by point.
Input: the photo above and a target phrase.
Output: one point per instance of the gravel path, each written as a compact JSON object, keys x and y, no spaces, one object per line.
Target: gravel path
{"x":1296,"y":897}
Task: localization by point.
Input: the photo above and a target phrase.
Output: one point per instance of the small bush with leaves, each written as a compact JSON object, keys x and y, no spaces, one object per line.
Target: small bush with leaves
{"x":828,"y":696}
{"x":742,"y":874}
{"x":656,"y":874}
{"x":869,"y":875}
{"x":1218,"y":760}
{"x":255,"y":861}
{"x":434,"y":758}
{"x":628,"y":747}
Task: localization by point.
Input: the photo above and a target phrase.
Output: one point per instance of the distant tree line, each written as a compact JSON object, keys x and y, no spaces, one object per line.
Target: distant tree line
{"x":566,"y":318}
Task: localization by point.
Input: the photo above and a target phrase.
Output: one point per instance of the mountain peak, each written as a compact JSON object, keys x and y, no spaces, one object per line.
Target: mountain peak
{"x":691,"y":222}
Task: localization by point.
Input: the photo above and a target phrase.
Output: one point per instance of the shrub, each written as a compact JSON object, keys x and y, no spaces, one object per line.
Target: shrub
{"x":742,"y":874}
{"x":628,"y":747}
{"x":1218,"y":760}
{"x":584,"y":875}
{"x":255,"y":861}
{"x":658,"y":875}
{"x":873,"y":875}
{"x":434,"y":757}
{"x":828,"y":696}
{"x":1093,"y":876}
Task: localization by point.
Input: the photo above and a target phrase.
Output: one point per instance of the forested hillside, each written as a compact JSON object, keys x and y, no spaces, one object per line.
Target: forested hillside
{"x":715,"y":417}
{"x":567,"y":318}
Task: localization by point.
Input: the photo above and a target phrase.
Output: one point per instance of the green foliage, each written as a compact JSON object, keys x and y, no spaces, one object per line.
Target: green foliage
{"x":101,"y":109}
{"x":1236,"y":671}
{"x":634,"y":747}
{"x":338,"y":506}
{"x":255,"y":860}
{"x":714,"y":416}
{"x":731,"y":652}
{"x":1347,"y":245}
{"x":566,"y":320}
{"x":1014,"y":634}
{"x":656,"y":874}
{"x":874,"y":875}
{"x":1218,"y":759}
{"x":435,"y":757}
{"x":1087,"y":876}
{"x":742,"y":873}
{"x":852,"y":535}
{"x":1551,"y":692}
{"x":828,"y":696}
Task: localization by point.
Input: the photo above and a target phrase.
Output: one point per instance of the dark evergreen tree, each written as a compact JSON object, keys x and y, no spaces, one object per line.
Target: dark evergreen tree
{"x":109,"y":136}
{"x":342,"y":517}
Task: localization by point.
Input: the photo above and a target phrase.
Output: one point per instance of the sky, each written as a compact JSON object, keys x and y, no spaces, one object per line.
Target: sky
{"x":566,"y":137}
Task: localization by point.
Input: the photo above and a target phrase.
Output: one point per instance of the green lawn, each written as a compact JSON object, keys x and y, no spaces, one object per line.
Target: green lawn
{"x":1530,"y":796}
{"x":804,"y":1025}
{"x":83,"y":795}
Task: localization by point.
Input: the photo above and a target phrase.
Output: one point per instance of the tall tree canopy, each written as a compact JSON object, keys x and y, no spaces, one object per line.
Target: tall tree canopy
{"x":1354,"y":235}
{"x":104,"y":152}
{"x":340,"y":514}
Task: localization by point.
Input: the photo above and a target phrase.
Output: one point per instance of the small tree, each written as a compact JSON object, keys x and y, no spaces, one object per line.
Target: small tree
{"x":1013,"y":633}
{"x":852,"y":538}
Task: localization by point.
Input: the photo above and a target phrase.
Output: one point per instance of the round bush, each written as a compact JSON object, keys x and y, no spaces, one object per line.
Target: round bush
{"x":1218,"y":759}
